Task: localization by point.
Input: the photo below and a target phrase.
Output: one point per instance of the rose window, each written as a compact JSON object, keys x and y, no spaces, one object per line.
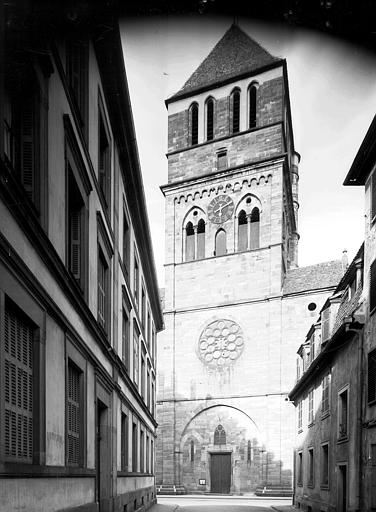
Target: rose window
{"x":221,"y":343}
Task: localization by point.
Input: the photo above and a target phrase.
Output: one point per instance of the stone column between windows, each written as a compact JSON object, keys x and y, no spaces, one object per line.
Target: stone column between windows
{"x":248,"y":232}
{"x":195,"y":229}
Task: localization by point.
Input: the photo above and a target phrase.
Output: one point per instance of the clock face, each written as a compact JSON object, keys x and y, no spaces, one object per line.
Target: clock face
{"x":220,"y":209}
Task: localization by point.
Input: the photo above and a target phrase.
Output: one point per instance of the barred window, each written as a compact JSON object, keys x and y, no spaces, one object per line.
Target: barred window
{"x":74,"y":413}
{"x":19,"y":372}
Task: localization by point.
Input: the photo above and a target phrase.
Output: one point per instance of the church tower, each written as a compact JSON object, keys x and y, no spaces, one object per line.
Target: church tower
{"x":227,"y":356}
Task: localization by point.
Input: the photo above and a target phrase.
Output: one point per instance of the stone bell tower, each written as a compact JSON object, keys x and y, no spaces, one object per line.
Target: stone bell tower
{"x":231,"y":242}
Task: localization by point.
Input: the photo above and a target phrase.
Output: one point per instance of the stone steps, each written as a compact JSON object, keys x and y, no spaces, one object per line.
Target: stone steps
{"x":171,"y":489}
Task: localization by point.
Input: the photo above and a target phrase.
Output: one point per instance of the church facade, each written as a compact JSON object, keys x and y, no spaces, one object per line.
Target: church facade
{"x":236,"y":303}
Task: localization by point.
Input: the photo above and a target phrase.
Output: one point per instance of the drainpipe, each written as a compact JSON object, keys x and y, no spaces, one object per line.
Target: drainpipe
{"x":359,"y":334}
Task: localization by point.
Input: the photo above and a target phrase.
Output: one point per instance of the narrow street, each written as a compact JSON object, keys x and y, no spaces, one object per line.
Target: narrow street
{"x":220,"y":504}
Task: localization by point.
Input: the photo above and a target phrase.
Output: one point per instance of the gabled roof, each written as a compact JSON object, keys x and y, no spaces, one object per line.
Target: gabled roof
{"x":234,"y":55}
{"x":321,"y":275}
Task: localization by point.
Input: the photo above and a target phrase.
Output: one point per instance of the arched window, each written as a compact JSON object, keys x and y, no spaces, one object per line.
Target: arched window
{"x":219,"y":435}
{"x":242,"y":231}
{"x":201,"y":239}
{"x":193,"y":123}
{"x":235,"y":109}
{"x":252,"y":99}
{"x":189,"y":242}
{"x":255,"y":229}
{"x":210,"y":119}
{"x":220,"y":243}
{"x":192,"y":451}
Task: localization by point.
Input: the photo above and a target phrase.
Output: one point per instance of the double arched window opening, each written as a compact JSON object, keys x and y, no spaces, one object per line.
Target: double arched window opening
{"x":195,"y":241}
{"x":249,"y":230}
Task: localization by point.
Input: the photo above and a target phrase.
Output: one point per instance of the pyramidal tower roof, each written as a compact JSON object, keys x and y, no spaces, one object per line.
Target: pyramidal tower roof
{"x":234,"y":55}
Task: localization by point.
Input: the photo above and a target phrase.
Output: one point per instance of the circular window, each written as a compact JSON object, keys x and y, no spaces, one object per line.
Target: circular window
{"x":248,"y":200}
{"x":220,"y":343}
{"x":312,"y":306}
{"x":195,"y":213}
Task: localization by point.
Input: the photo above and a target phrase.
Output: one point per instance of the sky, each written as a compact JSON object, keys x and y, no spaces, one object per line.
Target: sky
{"x":333,"y":101}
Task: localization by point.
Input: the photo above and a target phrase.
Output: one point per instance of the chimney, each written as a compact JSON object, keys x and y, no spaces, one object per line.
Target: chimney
{"x":345,"y":261}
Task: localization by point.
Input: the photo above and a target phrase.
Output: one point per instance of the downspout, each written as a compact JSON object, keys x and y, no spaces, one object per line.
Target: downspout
{"x":359,"y":333}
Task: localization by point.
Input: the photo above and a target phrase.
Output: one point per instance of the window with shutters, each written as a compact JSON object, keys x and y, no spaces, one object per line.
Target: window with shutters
{"x":124,"y":442}
{"x":325,"y":325}
{"x":126,"y":244}
{"x":136,"y":280}
{"x":343,"y":415}
{"x":372,"y":287}
{"x":193,"y":124}
{"x":219,"y":435}
{"x":136,"y":351}
{"x":103,"y":290}
{"x":104,"y":157}
{"x":125,"y":337}
{"x":209,"y":106}
{"x":134,"y":447}
{"x":300,"y":468}
{"x":325,"y":400}
{"x":252,"y":105}
{"x":25,"y":135}
{"x":324,"y":465}
{"x":77,"y":59}
{"x":75,"y":229}
{"x":311,"y":468}
{"x":74,"y":415}
{"x":235,"y":111}
{"x":19,"y":372}
{"x":143,"y":374}
{"x":372,"y":377}
{"x":300,"y":416}
{"x":310,"y":407}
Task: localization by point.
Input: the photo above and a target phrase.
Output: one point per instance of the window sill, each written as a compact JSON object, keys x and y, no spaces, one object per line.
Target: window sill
{"x":343,"y":439}
{"x":311,"y":424}
{"x":325,"y":415}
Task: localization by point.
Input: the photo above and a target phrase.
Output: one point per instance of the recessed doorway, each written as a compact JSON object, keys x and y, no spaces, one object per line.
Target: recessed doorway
{"x":220,"y":473}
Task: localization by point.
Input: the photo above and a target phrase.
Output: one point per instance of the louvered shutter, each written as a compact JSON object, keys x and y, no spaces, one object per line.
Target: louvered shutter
{"x":28,"y":146}
{"x":325,"y":325}
{"x":372,"y":376}
{"x":73,"y":405}
{"x":18,"y":362}
{"x":75,"y":243}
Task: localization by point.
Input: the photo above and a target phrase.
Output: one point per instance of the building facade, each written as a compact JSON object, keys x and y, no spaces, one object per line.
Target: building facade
{"x":236,"y":304}
{"x":327,"y":401}
{"x":79,"y":301}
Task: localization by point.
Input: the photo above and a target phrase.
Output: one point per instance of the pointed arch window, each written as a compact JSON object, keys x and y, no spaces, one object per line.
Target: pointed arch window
{"x":193,"y":123}
{"x":252,"y":100}
{"x":201,"y":239}
{"x":235,"y":109}
{"x":210,"y":119}
{"x":255,"y":229}
{"x":220,"y":243}
{"x":219,"y":435}
{"x":189,"y":242}
{"x":242,"y":231}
